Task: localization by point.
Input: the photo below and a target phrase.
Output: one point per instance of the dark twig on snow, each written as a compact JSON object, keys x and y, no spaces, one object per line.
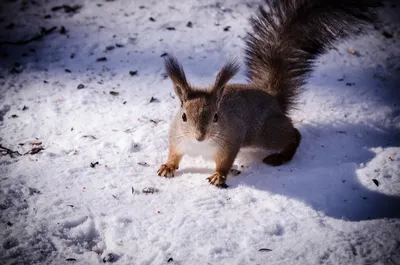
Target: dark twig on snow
{"x":34,"y":150}
{"x":6,"y":151}
{"x":90,"y":136}
{"x":37,"y":37}
{"x":92,"y":165}
{"x":264,"y":250}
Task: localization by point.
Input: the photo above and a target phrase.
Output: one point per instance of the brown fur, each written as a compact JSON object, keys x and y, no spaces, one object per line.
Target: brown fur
{"x":288,"y":38}
{"x":281,"y":50}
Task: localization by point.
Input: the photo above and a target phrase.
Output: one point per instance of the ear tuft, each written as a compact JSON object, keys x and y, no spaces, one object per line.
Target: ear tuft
{"x":177,"y":75}
{"x":228,"y":71}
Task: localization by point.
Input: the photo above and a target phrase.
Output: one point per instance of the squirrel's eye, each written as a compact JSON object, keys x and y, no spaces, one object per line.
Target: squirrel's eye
{"x":215,"y":117}
{"x":184,"y":117}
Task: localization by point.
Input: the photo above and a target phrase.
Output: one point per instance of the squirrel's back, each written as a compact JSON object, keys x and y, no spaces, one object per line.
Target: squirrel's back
{"x":288,"y":35}
{"x":281,"y":50}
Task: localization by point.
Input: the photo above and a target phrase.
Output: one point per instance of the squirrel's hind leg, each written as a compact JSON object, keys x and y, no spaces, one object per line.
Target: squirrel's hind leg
{"x":287,"y":152}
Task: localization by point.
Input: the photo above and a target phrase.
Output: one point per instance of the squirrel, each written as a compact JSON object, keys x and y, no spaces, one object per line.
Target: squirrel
{"x":286,"y":38}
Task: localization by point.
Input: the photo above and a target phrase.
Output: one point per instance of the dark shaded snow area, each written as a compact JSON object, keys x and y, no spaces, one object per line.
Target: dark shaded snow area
{"x":85,"y":107}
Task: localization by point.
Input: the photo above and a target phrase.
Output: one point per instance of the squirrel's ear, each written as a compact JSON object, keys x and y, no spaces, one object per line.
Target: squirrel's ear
{"x":177,"y":75}
{"x":226,"y":73}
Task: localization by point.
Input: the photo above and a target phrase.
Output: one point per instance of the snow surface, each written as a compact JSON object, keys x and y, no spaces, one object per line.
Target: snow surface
{"x":321,"y":208}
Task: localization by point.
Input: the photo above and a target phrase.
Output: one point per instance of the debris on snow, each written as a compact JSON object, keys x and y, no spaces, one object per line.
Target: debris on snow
{"x":143,"y":164}
{"x":376,"y":182}
{"x":149,"y":190}
{"x":67,"y":8}
{"x":153,"y":99}
{"x":235,"y":172}
{"x":101,"y":59}
{"x":92,"y":165}
{"x":264,"y":250}
{"x":109,"y":257}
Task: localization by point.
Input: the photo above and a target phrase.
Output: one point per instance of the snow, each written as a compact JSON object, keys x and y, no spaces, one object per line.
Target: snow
{"x":321,"y":208}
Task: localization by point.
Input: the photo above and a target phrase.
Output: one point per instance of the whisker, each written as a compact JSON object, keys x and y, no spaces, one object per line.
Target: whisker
{"x":222,"y":138}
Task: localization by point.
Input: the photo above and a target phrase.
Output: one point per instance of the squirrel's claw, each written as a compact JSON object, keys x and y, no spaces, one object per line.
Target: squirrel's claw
{"x":222,"y":186}
{"x":218,"y":180}
{"x":166,"y":171}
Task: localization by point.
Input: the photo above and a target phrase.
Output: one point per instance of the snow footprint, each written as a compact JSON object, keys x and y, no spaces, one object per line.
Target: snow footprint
{"x":75,"y":223}
{"x":210,"y":205}
{"x":79,"y":233}
{"x":275,"y":230}
{"x":10,"y":243}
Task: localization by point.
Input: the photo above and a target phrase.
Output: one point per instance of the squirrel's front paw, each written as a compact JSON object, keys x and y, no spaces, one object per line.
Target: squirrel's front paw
{"x":166,"y":170}
{"x":218,"y":180}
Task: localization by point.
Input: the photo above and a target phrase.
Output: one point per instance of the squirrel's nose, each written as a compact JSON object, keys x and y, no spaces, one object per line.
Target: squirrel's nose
{"x":200,"y":138}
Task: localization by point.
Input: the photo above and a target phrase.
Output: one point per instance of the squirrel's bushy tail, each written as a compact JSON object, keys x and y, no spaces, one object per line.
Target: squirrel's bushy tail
{"x":288,"y":35}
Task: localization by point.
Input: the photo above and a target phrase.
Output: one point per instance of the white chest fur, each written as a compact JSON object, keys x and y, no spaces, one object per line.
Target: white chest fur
{"x":206,"y":149}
